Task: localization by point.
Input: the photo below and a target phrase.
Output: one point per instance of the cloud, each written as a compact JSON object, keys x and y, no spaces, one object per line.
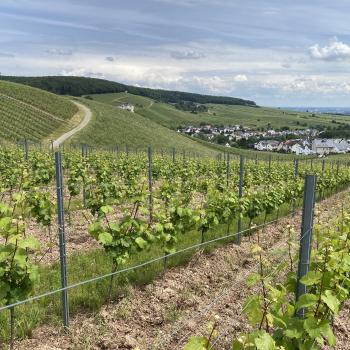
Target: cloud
{"x":59,"y":52}
{"x":6,"y":55}
{"x":286,"y":65}
{"x":51,"y":22}
{"x":239,"y":78}
{"x":110,"y":59}
{"x":82,"y":72}
{"x":187,"y":55}
{"x":336,"y":50}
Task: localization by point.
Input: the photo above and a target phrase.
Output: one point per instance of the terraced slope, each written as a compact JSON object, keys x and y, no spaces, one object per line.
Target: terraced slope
{"x":31,"y":113}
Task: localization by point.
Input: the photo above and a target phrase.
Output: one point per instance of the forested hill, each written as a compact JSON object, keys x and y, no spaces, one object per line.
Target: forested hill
{"x":78,"y":86}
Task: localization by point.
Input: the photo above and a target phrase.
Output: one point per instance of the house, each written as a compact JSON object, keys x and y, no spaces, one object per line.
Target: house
{"x":269,"y":145}
{"x":298,"y":149}
{"x":323,"y":146}
{"x":342,"y":145}
{"x":286,"y":146}
{"x":127,"y":107}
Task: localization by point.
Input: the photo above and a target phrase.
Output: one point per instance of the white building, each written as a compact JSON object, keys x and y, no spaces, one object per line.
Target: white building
{"x":323,"y":146}
{"x":127,"y":107}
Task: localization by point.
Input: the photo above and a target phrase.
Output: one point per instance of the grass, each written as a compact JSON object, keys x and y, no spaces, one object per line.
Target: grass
{"x":168,"y":116}
{"x":112,"y":126}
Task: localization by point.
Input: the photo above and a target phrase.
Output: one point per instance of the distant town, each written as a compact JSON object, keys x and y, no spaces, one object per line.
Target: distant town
{"x":299,"y":142}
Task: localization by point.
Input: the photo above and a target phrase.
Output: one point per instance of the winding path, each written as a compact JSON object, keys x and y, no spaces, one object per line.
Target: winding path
{"x":84,"y":122}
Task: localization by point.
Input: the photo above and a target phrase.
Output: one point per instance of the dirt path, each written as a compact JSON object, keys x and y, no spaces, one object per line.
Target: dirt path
{"x":84,"y":122}
{"x":165,"y":313}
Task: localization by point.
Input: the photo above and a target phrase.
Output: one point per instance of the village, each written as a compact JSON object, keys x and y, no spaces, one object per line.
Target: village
{"x":299,"y":142}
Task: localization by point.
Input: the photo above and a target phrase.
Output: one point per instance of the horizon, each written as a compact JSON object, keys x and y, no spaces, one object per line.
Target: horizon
{"x":280,"y":55}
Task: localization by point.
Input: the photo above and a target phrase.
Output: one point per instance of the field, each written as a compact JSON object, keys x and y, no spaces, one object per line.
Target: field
{"x":168,"y":116}
{"x":32,"y":113}
{"x":126,"y":209}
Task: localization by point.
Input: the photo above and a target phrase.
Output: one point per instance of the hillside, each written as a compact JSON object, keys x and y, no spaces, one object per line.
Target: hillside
{"x":168,"y":116}
{"x":78,"y":86}
{"x":31,"y":113}
{"x":112,"y":126}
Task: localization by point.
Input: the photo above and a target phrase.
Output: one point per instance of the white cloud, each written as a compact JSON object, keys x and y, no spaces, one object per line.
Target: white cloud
{"x":187,"y":55}
{"x":306,"y":85}
{"x":286,"y":65}
{"x":59,"y":52}
{"x":335,"y":50}
{"x":240,"y":78}
{"x":6,"y":55}
{"x":82,"y":72}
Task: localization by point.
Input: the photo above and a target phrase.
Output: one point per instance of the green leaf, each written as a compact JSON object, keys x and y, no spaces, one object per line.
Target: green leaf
{"x":5,"y":222}
{"x":253,"y":279}
{"x":312,"y":327}
{"x":237,"y":345}
{"x":311,"y":278}
{"x":306,"y":300}
{"x":105,"y":238}
{"x":265,"y":342}
{"x":95,"y":228}
{"x":253,"y":309}
{"x":141,"y":242}
{"x":295,"y":328}
{"x":328,"y":333}
{"x":197,"y":343}
{"x":4,"y":289}
{"x":331,"y":301}
{"x":107,"y":209}
{"x":29,"y":242}
{"x":316,"y":329}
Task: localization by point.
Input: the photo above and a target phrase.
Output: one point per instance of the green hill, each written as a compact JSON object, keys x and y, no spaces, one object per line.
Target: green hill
{"x":218,"y":114}
{"x":26,"y":112}
{"x":78,"y":86}
{"x":112,"y":126}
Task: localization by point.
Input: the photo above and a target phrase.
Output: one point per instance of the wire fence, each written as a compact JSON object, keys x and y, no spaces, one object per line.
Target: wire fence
{"x":306,"y":232}
{"x":67,"y":287}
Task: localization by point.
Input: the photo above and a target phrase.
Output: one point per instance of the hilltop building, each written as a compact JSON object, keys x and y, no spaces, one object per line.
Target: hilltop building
{"x":127,"y":107}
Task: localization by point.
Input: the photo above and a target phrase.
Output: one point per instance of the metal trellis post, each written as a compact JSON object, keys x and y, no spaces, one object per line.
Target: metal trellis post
{"x":150,"y":183}
{"x":240,"y":195}
{"x":306,"y":236}
{"x":296,"y":173}
{"x":62,"y":242}
{"x":227,"y":169}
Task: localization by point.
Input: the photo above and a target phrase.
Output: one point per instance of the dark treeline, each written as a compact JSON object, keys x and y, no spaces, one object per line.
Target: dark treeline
{"x":78,"y":86}
{"x":191,"y":107}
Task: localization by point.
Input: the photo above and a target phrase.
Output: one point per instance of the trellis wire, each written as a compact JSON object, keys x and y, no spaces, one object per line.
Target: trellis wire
{"x":273,"y":272}
{"x":146,"y":263}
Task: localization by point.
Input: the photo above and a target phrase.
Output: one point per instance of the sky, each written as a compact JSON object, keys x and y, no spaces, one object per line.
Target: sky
{"x":277,"y":53}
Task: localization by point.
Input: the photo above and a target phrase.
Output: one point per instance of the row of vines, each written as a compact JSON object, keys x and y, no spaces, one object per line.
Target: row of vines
{"x":130,"y":205}
{"x":278,"y":320}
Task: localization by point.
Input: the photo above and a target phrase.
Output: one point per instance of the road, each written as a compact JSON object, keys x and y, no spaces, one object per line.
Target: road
{"x":84,"y":122}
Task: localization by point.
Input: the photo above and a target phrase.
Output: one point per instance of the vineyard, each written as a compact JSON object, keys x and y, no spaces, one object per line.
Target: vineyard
{"x":125,"y":218}
{"x":31,"y":113}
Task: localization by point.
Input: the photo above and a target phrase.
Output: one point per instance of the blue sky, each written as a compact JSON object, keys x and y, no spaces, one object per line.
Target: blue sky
{"x":280,"y":53}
